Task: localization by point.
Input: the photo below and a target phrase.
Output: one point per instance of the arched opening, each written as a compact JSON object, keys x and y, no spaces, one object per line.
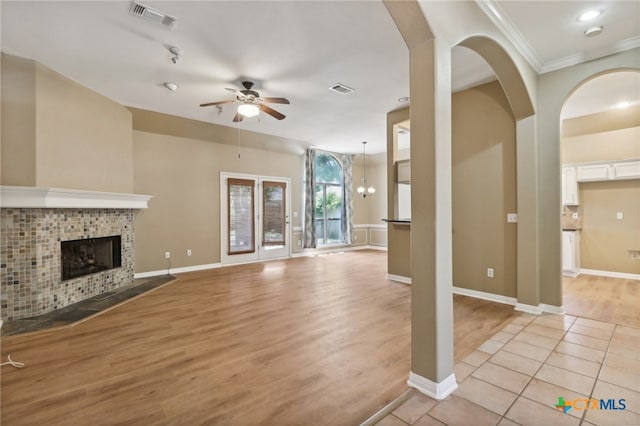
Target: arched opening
{"x":483,"y":155}
{"x":600,"y":218}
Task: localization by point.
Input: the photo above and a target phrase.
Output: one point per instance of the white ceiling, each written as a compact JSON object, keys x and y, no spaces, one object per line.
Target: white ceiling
{"x":610,"y":90}
{"x":291,"y":49}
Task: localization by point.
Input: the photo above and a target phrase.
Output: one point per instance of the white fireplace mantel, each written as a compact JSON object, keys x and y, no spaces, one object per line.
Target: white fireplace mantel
{"x":37,"y":198}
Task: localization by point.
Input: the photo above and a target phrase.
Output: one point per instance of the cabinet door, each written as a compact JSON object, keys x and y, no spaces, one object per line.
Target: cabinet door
{"x":626,"y":170}
{"x":594,"y":172}
{"x":568,"y":251}
{"x":569,"y":186}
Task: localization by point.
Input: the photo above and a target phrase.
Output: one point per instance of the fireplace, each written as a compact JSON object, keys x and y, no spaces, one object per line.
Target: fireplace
{"x":88,"y":256}
{"x":35,"y":223}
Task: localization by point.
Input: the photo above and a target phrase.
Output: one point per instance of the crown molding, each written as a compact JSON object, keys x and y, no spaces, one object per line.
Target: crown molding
{"x":578,"y":58}
{"x":508,"y":28}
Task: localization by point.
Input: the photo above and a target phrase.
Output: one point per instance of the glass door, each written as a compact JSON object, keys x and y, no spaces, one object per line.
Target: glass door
{"x":254,"y":218}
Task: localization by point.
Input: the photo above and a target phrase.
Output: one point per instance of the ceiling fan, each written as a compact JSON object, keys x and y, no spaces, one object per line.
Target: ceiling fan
{"x":250,"y":103}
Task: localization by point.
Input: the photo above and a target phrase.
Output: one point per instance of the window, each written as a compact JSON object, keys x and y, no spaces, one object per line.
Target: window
{"x":241,"y":216}
{"x":329,"y":199}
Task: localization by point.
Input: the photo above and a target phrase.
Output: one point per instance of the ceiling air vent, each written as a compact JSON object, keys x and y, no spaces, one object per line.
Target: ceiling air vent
{"x":151,"y":14}
{"x":342,"y":89}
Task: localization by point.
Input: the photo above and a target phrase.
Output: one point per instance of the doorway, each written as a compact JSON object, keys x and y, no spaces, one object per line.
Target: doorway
{"x":254,"y":213}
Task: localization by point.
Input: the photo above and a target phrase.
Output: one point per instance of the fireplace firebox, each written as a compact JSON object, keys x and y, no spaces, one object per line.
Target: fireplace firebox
{"x":88,"y":256}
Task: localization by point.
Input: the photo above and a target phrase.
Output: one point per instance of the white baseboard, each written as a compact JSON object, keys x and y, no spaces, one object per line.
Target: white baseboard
{"x":177,"y":270}
{"x":550,"y":309}
{"x":486,"y":296}
{"x":336,"y":249}
{"x":399,"y":278}
{"x":432,"y":389}
{"x":610,"y":274}
{"x":529,"y":309}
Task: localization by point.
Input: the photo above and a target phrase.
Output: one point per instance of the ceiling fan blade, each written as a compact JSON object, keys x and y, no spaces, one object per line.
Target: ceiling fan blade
{"x":232,"y":90}
{"x":276,"y":100}
{"x":238,"y":117}
{"x":217,"y":103}
{"x":272,"y":112}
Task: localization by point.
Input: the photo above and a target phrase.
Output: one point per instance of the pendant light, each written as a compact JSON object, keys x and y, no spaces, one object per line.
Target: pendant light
{"x":363,"y":189}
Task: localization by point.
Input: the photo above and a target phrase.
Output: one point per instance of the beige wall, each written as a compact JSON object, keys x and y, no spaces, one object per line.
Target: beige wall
{"x":612,"y":145}
{"x":183,"y":175}
{"x":18,"y":103}
{"x":484,"y":190}
{"x":604,"y":121}
{"x":59,"y":134}
{"x":605,"y":240}
{"x":83,"y":139}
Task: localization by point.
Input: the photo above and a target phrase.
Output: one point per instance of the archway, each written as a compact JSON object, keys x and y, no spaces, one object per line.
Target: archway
{"x":600,"y":159}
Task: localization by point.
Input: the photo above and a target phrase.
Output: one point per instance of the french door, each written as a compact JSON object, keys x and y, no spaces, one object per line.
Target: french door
{"x":254,"y":218}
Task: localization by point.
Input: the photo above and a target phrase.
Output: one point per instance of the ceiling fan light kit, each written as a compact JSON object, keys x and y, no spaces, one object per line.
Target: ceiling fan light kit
{"x":248,"y":110}
{"x":251,"y":103}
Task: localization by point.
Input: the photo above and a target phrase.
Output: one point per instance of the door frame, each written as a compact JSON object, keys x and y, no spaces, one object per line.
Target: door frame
{"x":260,"y":253}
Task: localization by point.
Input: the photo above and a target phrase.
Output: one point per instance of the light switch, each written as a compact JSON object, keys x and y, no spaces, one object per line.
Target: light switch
{"x":575,"y":215}
{"x":619,"y":215}
{"x":512,"y":217}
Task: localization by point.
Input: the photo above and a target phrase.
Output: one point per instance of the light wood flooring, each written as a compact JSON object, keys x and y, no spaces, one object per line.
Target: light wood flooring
{"x":614,"y":300}
{"x":322,"y":341}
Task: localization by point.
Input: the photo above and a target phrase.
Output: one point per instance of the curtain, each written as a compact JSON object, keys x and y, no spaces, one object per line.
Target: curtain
{"x":310,"y":239}
{"x":347,"y":205}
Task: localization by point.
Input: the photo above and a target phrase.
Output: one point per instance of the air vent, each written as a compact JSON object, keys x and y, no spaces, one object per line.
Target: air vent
{"x":151,"y":14}
{"x":342,"y":89}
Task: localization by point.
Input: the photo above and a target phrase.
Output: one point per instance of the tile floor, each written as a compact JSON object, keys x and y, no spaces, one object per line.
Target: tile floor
{"x":517,"y":376}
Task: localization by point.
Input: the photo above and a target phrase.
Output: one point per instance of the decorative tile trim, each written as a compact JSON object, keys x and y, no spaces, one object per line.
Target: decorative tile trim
{"x":30,"y":265}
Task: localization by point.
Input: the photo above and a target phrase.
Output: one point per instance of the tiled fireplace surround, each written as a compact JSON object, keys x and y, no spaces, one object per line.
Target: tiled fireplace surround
{"x":32,"y":228}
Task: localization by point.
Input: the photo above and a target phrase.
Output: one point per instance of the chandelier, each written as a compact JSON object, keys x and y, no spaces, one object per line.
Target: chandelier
{"x":363,"y":189}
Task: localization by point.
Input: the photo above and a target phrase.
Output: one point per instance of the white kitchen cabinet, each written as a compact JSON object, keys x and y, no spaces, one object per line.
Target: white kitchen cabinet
{"x":571,"y":253}
{"x":626,"y":170}
{"x":593,"y":172}
{"x":569,"y":186}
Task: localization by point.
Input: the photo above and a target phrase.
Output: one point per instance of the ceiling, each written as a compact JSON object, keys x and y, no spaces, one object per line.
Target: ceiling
{"x":293,"y":49}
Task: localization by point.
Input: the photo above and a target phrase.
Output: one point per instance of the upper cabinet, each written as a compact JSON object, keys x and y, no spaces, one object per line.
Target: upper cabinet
{"x":595,"y":172}
{"x":611,"y":170}
{"x":569,"y":186}
{"x":626,"y":170}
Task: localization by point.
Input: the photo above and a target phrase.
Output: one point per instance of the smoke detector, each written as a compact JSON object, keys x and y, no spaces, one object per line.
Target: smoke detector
{"x":154,"y":15}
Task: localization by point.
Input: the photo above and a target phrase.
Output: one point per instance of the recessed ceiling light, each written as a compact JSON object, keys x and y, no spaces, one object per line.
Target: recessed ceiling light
{"x":589,"y":15}
{"x":593,"y":31}
{"x":623,"y":104}
{"x":403,"y":99}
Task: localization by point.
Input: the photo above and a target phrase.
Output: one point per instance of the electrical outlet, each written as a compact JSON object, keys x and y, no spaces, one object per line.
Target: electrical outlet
{"x":634,"y":254}
{"x":512,"y":217}
{"x":188,"y":252}
{"x":490,"y":272}
{"x":619,"y":216}
{"x":575,"y":215}
{"x":167,"y":255}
